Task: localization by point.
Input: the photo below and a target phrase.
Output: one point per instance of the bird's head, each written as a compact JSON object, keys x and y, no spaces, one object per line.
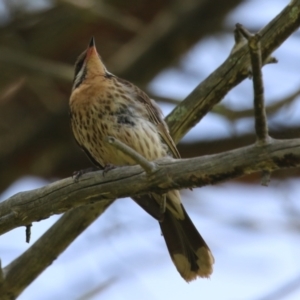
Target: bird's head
{"x":88,"y":65}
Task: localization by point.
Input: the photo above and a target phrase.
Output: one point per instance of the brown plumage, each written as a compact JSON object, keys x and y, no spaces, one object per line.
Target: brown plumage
{"x":101,"y":105}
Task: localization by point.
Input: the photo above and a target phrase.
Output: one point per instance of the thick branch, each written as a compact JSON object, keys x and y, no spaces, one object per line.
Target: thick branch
{"x":26,"y":207}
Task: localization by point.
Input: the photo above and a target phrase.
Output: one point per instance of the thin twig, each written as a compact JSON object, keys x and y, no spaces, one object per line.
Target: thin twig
{"x":265,"y":178}
{"x":148,"y":166}
{"x":28,"y":232}
{"x":261,"y":126}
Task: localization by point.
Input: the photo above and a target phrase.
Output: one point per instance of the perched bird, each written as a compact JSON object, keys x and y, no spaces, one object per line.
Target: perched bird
{"x":102,"y":105}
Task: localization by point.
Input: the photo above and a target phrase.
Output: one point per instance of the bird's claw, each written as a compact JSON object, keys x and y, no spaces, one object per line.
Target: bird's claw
{"x":107,"y":168}
{"x":77,"y":174}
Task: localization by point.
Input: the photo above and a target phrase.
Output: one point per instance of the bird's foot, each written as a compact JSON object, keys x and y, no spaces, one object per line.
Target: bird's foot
{"x":107,"y":168}
{"x":77,"y":174}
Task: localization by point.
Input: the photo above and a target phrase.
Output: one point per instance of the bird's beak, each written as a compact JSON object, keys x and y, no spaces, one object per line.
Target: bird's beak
{"x":93,"y":62}
{"x":91,"y":50}
{"x":92,"y":42}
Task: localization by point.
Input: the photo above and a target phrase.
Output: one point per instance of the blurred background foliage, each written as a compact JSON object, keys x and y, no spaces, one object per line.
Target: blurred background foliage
{"x":164,"y":47}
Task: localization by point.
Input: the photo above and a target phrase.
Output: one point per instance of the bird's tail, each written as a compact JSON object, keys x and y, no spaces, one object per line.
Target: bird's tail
{"x":187,"y":248}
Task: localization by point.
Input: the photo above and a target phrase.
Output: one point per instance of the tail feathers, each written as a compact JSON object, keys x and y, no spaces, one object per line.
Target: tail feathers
{"x":186,"y":246}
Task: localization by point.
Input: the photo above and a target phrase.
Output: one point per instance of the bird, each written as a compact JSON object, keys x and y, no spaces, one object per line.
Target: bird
{"x":103,"y":105}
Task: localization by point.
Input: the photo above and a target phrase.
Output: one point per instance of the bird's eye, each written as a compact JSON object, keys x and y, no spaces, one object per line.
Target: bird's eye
{"x":79,"y":65}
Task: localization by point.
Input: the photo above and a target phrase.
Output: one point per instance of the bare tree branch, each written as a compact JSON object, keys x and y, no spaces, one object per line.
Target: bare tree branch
{"x":60,"y":196}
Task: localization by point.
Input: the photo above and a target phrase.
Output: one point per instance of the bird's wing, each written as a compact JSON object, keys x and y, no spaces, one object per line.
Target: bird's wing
{"x":156,"y":116}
